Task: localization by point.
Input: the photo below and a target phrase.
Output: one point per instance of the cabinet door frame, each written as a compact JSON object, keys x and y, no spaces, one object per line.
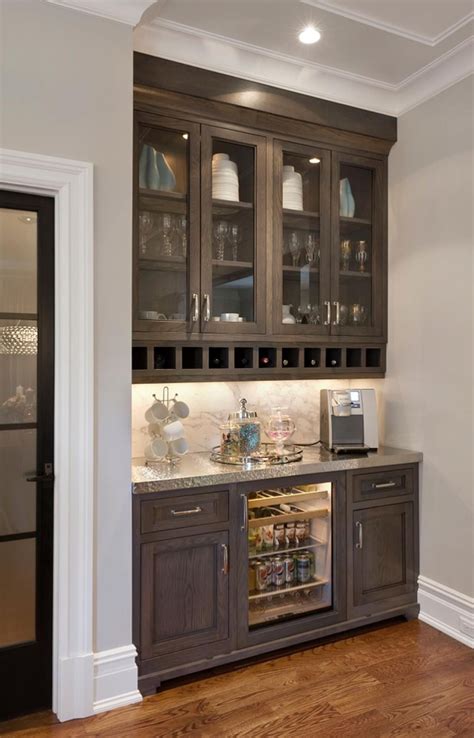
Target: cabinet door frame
{"x":378,"y":245}
{"x":297,"y":330}
{"x":387,"y":596}
{"x":172,"y":328}
{"x":260,"y":144}
{"x":173,"y":646}
{"x":312,"y":622}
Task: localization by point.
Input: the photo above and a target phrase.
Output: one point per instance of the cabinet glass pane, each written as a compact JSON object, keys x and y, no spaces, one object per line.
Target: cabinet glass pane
{"x":355,"y":247}
{"x":18,"y":231}
{"x":233,"y":237}
{"x":17,"y":496}
{"x":18,"y":588}
{"x":18,"y":347}
{"x":163,"y":224}
{"x":301,"y":242}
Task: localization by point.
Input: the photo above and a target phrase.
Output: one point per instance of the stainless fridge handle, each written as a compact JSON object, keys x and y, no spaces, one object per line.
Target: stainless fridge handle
{"x":225,"y":565}
{"x":245,"y":513}
{"x":195,"y":308}
{"x":206,"y":308}
{"x":337,"y":306}
{"x":328,"y":312}
{"x":360,"y":539}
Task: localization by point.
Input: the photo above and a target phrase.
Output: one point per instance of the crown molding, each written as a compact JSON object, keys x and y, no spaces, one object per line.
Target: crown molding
{"x":122,"y":11}
{"x":188,"y":45}
{"x":369,"y":20}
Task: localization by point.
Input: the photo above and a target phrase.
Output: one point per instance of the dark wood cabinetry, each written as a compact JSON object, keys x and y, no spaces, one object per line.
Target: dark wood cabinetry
{"x":269,"y":237}
{"x":193,"y":603}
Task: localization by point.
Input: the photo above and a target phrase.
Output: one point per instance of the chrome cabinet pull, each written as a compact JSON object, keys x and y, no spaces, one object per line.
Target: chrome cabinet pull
{"x":384,"y":485}
{"x":245,"y":513}
{"x":191,"y":511}
{"x":225,"y":566}
{"x":328,"y":312}
{"x":337,"y":306}
{"x":195,"y":308}
{"x":360,"y":539}
{"x":207,"y":308}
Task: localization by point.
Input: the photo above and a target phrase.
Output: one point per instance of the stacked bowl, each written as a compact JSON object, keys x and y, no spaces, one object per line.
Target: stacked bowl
{"x":292,"y":189}
{"x":225,"y":178}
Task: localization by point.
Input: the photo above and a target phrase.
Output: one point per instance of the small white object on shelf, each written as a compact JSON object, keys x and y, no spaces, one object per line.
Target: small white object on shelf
{"x":225,"y":178}
{"x":292,"y":189}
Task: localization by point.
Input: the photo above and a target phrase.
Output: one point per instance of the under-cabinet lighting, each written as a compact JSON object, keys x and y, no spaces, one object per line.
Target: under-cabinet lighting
{"x":314,"y":160}
{"x":309,"y":35}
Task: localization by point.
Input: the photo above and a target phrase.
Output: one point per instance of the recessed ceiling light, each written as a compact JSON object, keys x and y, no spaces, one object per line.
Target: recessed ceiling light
{"x":309,"y":35}
{"x":314,"y":160}
{"x":185,"y":136}
{"x":27,"y":219}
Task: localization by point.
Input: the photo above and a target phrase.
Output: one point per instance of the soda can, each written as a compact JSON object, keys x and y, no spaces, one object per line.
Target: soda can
{"x":261,"y":575}
{"x":310,"y":555}
{"x":289,"y":565}
{"x":303,"y":570}
{"x":278,"y":571}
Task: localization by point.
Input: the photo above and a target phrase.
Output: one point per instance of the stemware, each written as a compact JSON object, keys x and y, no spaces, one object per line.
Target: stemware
{"x":346,"y":254}
{"x":145,"y":224}
{"x":234,"y":238}
{"x":165,"y":231}
{"x":361,"y":255}
{"x":311,"y":244}
{"x":279,"y":427}
{"x":294,"y":246}
{"x":182,"y":230}
{"x":221,"y":230}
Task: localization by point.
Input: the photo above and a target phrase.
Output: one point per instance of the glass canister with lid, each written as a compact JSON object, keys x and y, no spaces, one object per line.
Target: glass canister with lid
{"x":244,"y":426}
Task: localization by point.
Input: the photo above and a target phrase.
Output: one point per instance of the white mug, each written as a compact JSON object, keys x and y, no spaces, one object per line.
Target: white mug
{"x":179,"y":447}
{"x":156,"y":450}
{"x":180,"y":409}
{"x":157,"y":411}
{"x":172,"y":431}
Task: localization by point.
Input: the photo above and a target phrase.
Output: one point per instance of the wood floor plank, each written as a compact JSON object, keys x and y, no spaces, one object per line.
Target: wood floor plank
{"x":400,"y":679}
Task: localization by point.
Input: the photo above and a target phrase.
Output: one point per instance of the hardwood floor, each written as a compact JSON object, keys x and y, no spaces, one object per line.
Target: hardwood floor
{"x":400,"y":679}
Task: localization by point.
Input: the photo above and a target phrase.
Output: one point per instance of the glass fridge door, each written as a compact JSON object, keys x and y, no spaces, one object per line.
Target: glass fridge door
{"x":289,"y":553}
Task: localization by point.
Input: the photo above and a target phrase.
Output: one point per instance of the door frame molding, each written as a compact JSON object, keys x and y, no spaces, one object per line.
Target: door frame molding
{"x":71,"y":184}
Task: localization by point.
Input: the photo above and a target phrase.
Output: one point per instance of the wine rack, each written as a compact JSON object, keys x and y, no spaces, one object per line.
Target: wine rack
{"x":188,"y":362}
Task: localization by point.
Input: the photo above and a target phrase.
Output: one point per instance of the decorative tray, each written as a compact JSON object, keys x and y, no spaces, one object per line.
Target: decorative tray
{"x":266,"y":454}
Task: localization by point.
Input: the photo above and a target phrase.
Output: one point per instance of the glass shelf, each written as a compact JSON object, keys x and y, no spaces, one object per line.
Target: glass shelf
{"x":310,"y":542}
{"x":286,"y":589}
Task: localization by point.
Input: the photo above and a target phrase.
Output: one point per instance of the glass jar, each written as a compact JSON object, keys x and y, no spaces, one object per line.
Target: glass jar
{"x":248,"y":429}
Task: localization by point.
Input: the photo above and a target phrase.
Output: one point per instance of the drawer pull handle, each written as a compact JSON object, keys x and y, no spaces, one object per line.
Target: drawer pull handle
{"x":191,"y":511}
{"x":225,"y":566}
{"x":384,"y":485}
{"x":360,"y":538}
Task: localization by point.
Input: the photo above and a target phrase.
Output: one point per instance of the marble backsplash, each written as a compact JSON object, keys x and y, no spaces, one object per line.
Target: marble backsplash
{"x":211,"y":402}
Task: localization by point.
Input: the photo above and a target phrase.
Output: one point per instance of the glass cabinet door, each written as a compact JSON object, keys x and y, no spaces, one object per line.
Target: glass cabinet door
{"x":167,"y":224}
{"x":301,"y":268}
{"x":232,"y":232}
{"x":358,"y":255}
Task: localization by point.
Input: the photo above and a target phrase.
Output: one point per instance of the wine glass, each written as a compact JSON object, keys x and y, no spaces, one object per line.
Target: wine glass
{"x":311,"y":244}
{"x":294,"y":246}
{"x":279,"y":427}
{"x":346,"y":254}
{"x":234,"y":238}
{"x":221,"y":230}
{"x":182,"y":229}
{"x":145,"y":226}
{"x":361,"y":255}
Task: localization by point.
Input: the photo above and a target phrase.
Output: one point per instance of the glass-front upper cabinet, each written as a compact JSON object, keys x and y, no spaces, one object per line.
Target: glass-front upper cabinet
{"x":358,"y":268}
{"x":232,"y":232}
{"x":166,"y":290}
{"x":301,"y":258}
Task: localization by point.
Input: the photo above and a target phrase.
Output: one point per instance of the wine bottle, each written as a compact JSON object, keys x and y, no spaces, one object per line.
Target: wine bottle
{"x":265,"y":361}
{"x":313,"y":362}
{"x":333,"y":362}
{"x":243,"y":361}
{"x":285,"y":362}
{"x":216,"y":362}
{"x":160,"y":361}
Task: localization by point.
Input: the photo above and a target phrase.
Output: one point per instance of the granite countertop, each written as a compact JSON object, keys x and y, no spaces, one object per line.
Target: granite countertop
{"x":197,"y":470}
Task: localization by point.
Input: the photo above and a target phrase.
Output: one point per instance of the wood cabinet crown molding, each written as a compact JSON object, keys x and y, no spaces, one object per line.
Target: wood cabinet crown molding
{"x":122,"y":11}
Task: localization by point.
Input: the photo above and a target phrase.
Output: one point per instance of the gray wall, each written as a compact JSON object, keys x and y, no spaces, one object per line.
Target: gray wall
{"x":67,"y":91}
{"x":429,"y":385}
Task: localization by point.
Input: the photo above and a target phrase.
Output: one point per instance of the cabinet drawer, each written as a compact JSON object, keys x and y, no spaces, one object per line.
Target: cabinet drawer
{"x":183,"y":511}
{"x":380,"y":484}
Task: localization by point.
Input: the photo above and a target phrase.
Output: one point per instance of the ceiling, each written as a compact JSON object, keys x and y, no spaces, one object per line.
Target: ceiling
{"x":369,"y":52}
{"x":383,"y":55}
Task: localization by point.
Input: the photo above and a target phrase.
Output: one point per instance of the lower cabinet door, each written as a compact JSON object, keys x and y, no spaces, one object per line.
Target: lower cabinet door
{"x":383,"y":553}
{"x":185,"y":594}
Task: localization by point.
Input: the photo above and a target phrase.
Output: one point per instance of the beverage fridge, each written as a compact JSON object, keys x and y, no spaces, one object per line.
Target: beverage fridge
{"x":290,"y":557}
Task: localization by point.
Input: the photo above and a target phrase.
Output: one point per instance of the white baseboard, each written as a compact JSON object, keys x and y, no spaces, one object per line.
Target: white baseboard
{"x":447,"y":610}
{"x":115,"y":678}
